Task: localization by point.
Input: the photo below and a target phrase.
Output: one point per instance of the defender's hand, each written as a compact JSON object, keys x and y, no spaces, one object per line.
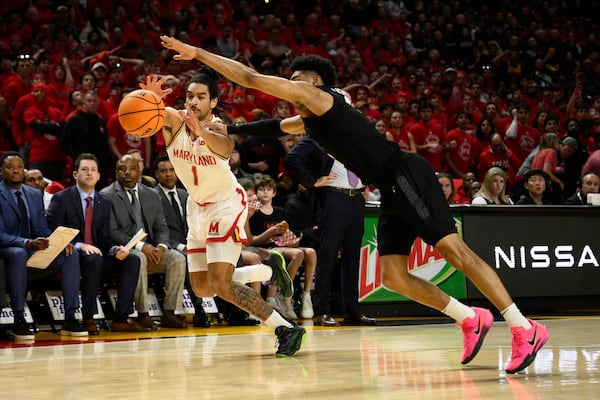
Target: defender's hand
{"x":186,"y":52}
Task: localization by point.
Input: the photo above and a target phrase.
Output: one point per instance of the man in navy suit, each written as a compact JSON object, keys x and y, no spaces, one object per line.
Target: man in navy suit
{"x":97,"y":252}
{"x":24,"y":230}
{"x":340,"y":217}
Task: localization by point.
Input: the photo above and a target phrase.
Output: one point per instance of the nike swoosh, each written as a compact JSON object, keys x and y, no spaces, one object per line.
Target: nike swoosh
{"x":532,"y":341}
{"x":478,"y":326}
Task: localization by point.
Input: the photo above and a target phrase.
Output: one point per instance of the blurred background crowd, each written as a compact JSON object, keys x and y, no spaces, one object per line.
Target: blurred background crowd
{"x":478,"y":67}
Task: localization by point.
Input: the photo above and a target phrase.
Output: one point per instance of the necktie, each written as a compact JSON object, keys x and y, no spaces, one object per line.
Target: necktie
{"x":89,"y":216}
{"x":24,"y":221}
{"x":135,"y":205}
{"x":352,"y":179}
{"x":175,"y":206}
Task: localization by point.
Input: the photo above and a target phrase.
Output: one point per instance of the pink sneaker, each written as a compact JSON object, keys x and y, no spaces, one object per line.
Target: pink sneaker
{"x":525,"y":345}
{"x":474,"y":330}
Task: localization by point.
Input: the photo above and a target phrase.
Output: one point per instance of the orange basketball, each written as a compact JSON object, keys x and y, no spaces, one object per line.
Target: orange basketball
{"x":142,"y":113}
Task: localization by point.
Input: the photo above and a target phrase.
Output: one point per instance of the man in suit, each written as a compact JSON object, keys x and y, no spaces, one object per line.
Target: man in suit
{"x":340,"y":217}
{"x":24,"y":230}
{"x":133,"y":207}
{"x":81,"y":207}
{"x":174,"y":200}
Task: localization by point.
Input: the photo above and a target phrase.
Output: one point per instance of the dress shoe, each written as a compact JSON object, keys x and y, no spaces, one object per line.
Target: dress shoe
{"x":146,"y":322}
{"x":127,"y":326}
{"x":200,"y":319}
{"x":91,"y":327}
{"x":358,"y":319}
{"x":169,"y":320}
{"x":326,"y":320}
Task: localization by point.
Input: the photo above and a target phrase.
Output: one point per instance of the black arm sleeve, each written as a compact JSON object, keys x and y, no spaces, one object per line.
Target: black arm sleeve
{"x":268,"y":127}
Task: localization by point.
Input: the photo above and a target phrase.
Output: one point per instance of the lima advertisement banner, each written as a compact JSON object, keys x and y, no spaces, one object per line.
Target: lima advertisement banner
{"x":424,"y":261}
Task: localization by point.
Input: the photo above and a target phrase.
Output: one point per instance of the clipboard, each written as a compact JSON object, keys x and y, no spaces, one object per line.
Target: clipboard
{"x":59,"y":239}
{"x":139,"y":236}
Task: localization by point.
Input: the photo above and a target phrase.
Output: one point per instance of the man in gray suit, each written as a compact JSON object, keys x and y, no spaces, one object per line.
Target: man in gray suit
{"x":136,"y":207}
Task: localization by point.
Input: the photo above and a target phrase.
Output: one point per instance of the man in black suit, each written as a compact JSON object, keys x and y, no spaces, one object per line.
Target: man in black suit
{"x":133,"y":207}
{"x":24,"y":230}
{"x":81,"y":207}
{"x":340,"y":217}
{"x":589,"y":183}
{"x":174,"y":203}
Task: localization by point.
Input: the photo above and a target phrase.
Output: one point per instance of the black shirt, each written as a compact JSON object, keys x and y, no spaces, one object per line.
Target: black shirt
{"x":350,"y":138}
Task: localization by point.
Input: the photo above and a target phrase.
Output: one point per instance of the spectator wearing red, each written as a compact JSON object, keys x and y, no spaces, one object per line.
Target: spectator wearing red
{"x":439,"y":109}
{"x":398,"y":133}
{"x":43,"y":124}
{"x":475,"y":115}
{"x":497,"y":154}
{"x":521,"y":137}
{"x":239,"y":106}
{"x":429,"y":136}
{"x":460,"y":147}
{"x":19,"y":84}
{"x":59,"y":86}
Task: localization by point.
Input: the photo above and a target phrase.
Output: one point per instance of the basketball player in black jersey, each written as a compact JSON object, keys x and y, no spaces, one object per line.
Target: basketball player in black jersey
{"x":412,"y":203}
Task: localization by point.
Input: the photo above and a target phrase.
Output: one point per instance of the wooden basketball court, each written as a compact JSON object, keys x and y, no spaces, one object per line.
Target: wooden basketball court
{"x":403,"y":359}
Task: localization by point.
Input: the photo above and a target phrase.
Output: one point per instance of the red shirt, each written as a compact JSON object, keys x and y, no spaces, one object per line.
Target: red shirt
{"x":44,"y":147}
{"x":489,"y":159}
{"x":428,"y":133}
{"x":527,"y":139}
{"x":462,"y":153}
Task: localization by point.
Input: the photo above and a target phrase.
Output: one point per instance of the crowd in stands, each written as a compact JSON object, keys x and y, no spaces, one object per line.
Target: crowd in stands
{"x":494,"y":94}
{"x":519,"y":70}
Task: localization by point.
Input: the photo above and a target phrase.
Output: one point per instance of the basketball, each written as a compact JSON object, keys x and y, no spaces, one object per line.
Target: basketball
{"x":142,"y":113}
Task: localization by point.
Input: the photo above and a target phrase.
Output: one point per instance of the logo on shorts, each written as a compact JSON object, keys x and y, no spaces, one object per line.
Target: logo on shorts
{"x":213,"y":228}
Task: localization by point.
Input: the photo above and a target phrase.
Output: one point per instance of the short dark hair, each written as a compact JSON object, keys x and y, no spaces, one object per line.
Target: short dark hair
{"x":84,"y":156}
{"x":160,"y":158}
{"x":319,"y":65}
{"x":11,"y":153}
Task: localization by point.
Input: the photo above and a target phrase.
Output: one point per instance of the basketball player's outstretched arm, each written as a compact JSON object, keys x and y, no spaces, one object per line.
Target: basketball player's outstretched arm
{"x":307,"y":99}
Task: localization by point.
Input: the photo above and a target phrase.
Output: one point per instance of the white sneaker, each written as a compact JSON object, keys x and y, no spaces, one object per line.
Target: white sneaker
{"x":307,"y":307}
{"x":286,"y":307}
{"x":274,"y":304}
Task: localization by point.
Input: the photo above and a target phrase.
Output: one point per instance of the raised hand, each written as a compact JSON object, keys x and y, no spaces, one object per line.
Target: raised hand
{"x":154,"y":84}
{"x":186,"y":52}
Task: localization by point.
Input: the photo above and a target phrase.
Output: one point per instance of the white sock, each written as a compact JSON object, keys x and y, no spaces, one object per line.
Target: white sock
{"x":276,"y":320}
{"x":458,"y":311}
{"x":252,"y":273}
{"x":514,"y":318}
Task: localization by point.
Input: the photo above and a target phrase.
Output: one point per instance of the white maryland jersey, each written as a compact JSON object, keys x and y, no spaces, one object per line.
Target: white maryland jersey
{"x":206,"y":175}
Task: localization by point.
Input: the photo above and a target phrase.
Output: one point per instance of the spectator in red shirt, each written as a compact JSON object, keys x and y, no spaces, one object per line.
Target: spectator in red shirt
{"x":497,"y":154}
{"x":398,"y":133}
{"x":43,"y":124}
{"x":521,"y":137}
{"x":429,"y":136}
{"x":460,"y":147}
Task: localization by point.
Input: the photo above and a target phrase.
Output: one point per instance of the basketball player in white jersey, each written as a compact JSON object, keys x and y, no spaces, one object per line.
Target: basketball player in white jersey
{"x":217,"y":210}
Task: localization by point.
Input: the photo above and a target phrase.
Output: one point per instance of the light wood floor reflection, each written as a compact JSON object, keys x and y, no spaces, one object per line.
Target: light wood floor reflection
{"x":383,"y":362}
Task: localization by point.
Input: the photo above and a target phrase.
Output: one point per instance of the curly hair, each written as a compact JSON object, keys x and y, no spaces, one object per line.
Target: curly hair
{"x":318,"y":65}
